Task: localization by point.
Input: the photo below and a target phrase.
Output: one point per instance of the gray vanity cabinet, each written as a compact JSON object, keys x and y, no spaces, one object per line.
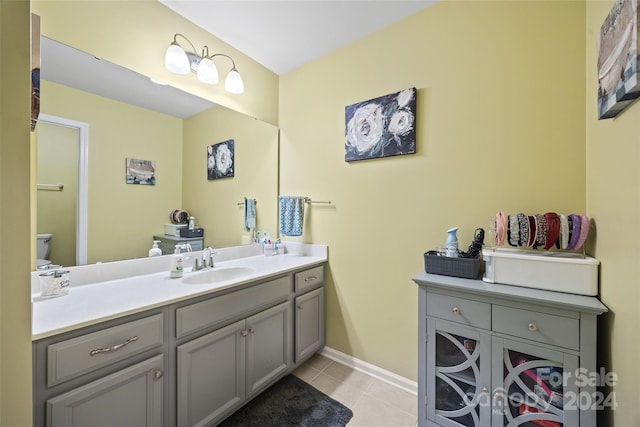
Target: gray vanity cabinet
{"x":309,"y":323}
{"x":136,"y":392}
{"x":82,"y":375}
{"x":217,"y":372}
{"x":496,"y":355}
{"x":309,"y":312}
{"x":211,"y":375}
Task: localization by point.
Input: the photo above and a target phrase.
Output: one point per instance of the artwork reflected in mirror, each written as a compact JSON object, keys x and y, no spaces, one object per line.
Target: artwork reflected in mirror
{"x":141,"y":171}
{"x":220,"y":160}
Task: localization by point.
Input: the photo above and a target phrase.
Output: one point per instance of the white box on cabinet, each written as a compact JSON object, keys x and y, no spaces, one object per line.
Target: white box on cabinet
{"x":553,"y":271}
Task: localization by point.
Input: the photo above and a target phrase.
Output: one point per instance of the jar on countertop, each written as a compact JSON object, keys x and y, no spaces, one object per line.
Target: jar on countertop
{"x":54,"y":283}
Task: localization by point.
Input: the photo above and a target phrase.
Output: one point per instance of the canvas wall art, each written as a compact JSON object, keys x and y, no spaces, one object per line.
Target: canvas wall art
{"x":141,"y":171}
{"x":618,"y":59}
{"x":220,"y":160}
{"x":381,"y":127}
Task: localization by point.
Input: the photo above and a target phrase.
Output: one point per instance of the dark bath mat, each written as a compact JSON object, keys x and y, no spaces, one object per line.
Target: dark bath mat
{"x":290,"y":402}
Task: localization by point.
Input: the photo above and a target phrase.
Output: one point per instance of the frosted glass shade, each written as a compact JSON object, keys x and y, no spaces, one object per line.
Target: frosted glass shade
{"x":176,"y":60}
{"x":207,"y":71}
{"x":233,"y":83}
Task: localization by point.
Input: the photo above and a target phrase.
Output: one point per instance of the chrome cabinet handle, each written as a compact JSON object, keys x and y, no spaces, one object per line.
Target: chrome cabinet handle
{"x":497,"y":396}
{"x":455,"y":310}
{"x":251,"y":329}
{"x":533,"y":327}
{"x":244,"y":333}
{"x":158,"y":374}
{"x":300,"y":306}
{"x":310,"y":278}
{"x":114,"y":348}
{"x":485,"y":390}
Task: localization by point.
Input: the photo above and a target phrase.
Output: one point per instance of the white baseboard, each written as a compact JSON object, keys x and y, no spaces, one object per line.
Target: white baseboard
{"x":372,"y":370}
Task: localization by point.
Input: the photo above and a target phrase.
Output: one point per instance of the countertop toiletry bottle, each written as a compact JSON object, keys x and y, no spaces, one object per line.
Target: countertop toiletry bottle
{"x":177,"y":264}
{"x":192,"y":223}
{"x":452,"y":242}
{"x":155,"y":250}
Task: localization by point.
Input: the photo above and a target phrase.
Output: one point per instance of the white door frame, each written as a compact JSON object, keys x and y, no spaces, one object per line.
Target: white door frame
{"x":83,"y":180}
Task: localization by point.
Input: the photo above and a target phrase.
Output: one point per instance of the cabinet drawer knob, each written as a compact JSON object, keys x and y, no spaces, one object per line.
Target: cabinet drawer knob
{"x":114,"y":348}
{"x":244,"y":333}
{"x":455,"y":310}
{"x":251,"y":329}
{"x":497,"y":396}
{"x":485,"y":390}
{"x":533,"y":327}
{"x":300,"y":306}
{"x":310,"y":278}
{"x":158,"y":374}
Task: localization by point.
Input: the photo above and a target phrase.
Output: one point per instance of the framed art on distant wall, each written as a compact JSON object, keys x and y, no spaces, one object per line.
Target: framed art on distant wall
{"x":141,"y":171}
{"x":220,"y":160}
{"x":381,"y":127}
{"x":618,"y":59}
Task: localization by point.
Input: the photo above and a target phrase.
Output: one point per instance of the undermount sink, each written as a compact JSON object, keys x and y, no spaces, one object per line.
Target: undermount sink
{"x":217,"y":275}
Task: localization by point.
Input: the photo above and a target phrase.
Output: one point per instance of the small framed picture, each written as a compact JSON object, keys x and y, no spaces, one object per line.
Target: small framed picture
{"x":220,"y":160}
{"x":141,"y":171}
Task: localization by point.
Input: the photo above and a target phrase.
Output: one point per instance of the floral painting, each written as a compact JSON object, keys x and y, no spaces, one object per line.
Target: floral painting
{"x":381,"y":127}
{"x":220,"y":158}
{"x":618,"y":59}
{"x":141,"y":171}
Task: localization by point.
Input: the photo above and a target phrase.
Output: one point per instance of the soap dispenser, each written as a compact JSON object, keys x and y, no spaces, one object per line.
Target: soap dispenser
{"x":155,"y":250}
{"x":177,"y":264}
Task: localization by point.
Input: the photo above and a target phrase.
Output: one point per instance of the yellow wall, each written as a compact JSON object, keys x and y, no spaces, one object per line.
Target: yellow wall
{"x":122,"y":218}
{"x":215,"y":203}
{"x":500,"y":126}
{"x":15,"y":308}
{"x":136,"y":34}
{"x":613,"y":199}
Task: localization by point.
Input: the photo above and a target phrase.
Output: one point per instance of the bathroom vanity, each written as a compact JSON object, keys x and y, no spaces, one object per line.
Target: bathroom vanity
{"x":190,"y":351}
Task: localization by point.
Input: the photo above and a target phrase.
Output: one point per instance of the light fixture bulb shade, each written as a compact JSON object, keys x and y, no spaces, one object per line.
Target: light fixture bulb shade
{"x":207,"y":71}
{"x":176,"y":60}
{"x":233,"y":82}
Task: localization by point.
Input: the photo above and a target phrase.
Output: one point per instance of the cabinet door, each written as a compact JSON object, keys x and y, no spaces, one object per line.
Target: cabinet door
{"x":130,"y":397}
{"x":533,"y":385}
{"x":309,"y":323}
{"x":268,"y":346}
{"x":458,"y":375}
{"x":210,"y":375}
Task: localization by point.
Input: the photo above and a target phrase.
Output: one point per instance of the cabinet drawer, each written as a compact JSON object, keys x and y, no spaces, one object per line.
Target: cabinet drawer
{"x":541,"y":327}
{"x":74,"y":357}
{"x":309,"y":279}
{"x":217,"y":310}
{"x":461,"y":310}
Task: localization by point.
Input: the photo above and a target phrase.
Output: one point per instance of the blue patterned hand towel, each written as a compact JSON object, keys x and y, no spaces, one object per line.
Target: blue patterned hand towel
{"x":249,"y":214}
{"x":291,"y":215}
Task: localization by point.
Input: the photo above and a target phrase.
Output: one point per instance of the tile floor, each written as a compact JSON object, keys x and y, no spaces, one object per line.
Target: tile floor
{"x":374,"y":403}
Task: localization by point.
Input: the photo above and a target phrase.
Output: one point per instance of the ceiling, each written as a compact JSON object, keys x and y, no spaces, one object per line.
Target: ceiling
{"x":285,"y":34}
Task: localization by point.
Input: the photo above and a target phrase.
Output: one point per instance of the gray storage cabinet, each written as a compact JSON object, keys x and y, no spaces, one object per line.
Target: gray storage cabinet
{"x":190,"y":363}
{"x":494,"y":355}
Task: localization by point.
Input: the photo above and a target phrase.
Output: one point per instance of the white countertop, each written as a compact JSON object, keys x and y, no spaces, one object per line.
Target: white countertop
{"x":90,"y":303}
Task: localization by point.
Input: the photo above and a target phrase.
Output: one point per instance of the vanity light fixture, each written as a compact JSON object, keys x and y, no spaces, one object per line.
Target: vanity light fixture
{"x":179,"y":61}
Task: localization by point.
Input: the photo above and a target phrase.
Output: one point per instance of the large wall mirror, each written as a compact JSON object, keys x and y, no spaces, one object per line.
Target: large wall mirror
{"x":129,"y":117}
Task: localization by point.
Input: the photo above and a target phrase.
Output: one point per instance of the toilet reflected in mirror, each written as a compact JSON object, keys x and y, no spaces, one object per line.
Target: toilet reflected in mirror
{"x":43,"y":250}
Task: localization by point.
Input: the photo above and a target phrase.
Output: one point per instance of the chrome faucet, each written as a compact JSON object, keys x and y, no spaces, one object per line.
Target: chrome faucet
{"x":207,"y":257}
